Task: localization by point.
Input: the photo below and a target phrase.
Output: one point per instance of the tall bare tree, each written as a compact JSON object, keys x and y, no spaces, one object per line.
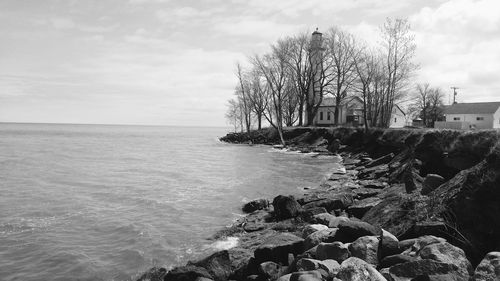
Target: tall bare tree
{"x":344,"y":53}
{"x":243,"y":94}
{"x":275,"y":69}
{"x":258,"y":96}
{"x":398,"y":45}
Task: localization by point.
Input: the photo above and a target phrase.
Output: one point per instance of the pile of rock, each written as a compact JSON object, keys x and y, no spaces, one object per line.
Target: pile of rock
{"x":331,"y":247}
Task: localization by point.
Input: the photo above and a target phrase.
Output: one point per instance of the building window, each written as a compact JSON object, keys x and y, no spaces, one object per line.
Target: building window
{"x":479,"y":118}
{"x":328,"y":117}
{"x":395,"y":119}
{"x":456,"y":118}
{"x":321,"y":115}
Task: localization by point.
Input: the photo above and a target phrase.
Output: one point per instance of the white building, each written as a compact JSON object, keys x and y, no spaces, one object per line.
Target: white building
{"x":480,"y":115}
{"x":351,"y":113}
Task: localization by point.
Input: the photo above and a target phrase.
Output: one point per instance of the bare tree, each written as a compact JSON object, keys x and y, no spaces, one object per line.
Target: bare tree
{"x":233,"y":114}
{"x":275,"y":69}
{"x":258,"y":96}
{"x":428,"y":104}
{"x":398,"y":45}
{"x":243,"y":94}
{"x":344,"y":53}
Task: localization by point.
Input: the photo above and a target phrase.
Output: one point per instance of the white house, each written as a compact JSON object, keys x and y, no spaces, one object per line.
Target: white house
{"x":479,"y":115}
{"x":351,"y":113}
{"x":398,"y":117}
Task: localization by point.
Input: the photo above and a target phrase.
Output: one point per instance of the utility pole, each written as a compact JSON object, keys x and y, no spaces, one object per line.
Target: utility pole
{"x":454,"y":94}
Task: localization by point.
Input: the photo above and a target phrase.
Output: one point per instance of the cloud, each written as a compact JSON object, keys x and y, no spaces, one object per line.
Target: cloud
{"x":141,"y":2}
{"x":62,"y":23}
{"x":458,"y":46}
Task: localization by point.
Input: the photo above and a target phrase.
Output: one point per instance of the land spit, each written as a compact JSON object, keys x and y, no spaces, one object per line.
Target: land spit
{"x":404,"y":205}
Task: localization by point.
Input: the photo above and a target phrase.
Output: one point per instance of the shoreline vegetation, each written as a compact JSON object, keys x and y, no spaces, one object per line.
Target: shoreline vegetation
{"x":404,"y":205}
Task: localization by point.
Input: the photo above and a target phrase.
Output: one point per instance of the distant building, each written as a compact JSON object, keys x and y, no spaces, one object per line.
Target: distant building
{"x":398,"y":117}
{"x":480,"y":115}
{"x":351,"y":113}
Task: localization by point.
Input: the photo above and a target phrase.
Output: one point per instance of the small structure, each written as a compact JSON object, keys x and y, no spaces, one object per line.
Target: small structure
{"x":398,"y":117}
{"x":351,"y":113}
{"x":479,"y":115}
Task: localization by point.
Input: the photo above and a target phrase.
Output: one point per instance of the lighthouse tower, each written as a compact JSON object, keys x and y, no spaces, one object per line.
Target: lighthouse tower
{"x":316,"y":59}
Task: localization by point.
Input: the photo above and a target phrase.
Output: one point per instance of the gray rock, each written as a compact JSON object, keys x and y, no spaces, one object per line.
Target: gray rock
{"x":270,"y":270}
{"x":313,"y":275}
{"x":278,"y":247}
{"x":188,"y":272}
{"x":389,"y":244}
{"x":426,"y":269}
{"x":446,"y":253}
{"x":323,"y":218}
{"x":255,"y":205}
{"x":489,"y":268}
{"x":352,"y":230}
{"x":310,"y":229}
{"x":365,"y":248}
{"x":286,"y":207}
{"x":337,"y":251}
{"x":354,"y":269}
{"x":395,"y":259}
{"x":359,"y":208}
{"x":326,"y":235}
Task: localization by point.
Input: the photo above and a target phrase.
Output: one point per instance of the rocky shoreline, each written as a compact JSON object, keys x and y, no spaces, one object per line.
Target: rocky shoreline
{"x":405,"y":205}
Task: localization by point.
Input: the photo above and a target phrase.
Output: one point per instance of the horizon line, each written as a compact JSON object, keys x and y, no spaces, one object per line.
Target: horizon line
{"x":109,"y":124}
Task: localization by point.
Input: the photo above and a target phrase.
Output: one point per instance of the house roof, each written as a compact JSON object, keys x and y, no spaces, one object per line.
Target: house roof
{"x":330,"y":101}
{"x":472,"y":108}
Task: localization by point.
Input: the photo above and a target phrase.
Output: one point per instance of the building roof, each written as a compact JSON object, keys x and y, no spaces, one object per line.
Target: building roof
{"x":472,"y":108}
{"x":330,"y":101}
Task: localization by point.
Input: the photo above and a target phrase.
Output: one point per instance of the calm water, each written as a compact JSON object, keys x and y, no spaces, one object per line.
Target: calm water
{"x":94,"y":202}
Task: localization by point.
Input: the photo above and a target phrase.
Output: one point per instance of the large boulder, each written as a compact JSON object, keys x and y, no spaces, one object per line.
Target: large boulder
{"x":352,"y":230}
{"x":286,"y":207}
{"x":366,"y":248}
{"x":336,"y":251}
{"x":277,"y":248}
{"x":426,"y":269}
{"x":447,"y":253}
{"x":326,"y":235}
{"x":472,"y":197}
{"x":354,"y":269}
{"x":187,"y":273}
{"x":489,"y":268}
{"x":255,"y":205}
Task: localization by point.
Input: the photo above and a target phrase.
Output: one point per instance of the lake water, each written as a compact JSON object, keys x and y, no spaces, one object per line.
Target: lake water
{"x":98,"y":202}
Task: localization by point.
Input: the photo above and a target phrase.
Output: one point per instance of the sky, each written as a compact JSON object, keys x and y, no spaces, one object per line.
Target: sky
{"x":170,"y":62}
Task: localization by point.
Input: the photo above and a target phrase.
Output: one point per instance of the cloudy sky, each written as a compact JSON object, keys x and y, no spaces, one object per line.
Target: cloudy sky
{"x":172,"y":62}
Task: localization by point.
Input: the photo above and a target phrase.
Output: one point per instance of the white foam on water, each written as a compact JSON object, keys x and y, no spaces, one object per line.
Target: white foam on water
{"x":226,"y":244}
